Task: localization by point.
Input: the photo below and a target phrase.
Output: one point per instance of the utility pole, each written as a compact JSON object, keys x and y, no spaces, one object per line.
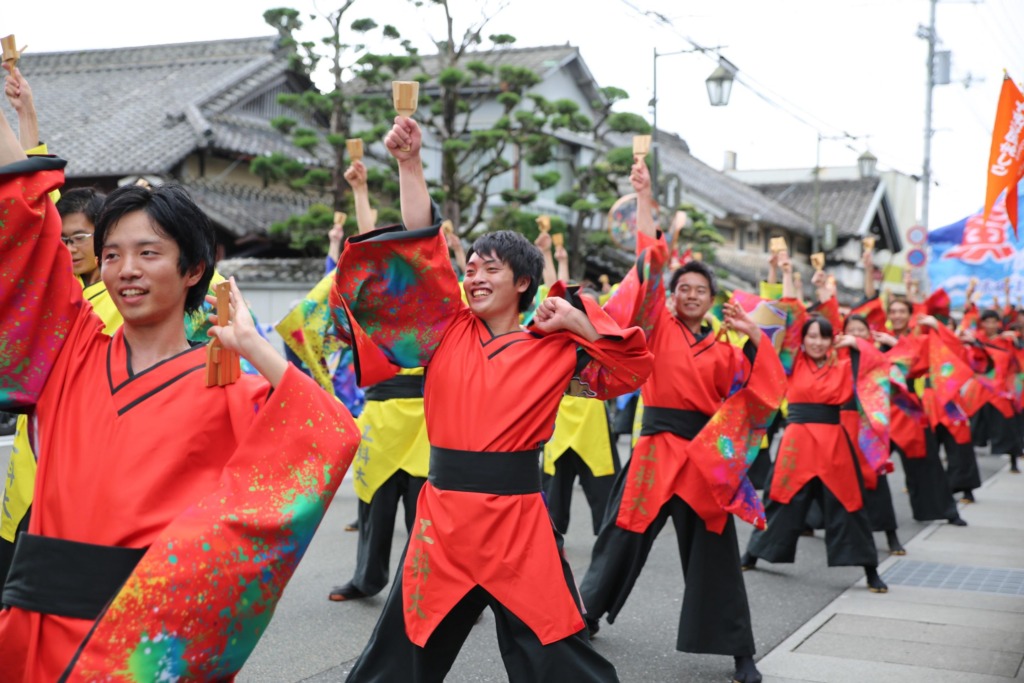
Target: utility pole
{"x":926,"y":172}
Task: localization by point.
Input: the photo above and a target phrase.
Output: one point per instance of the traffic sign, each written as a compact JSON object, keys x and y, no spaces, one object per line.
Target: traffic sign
{"x":917,"y":235}
{"x":916,"y":258}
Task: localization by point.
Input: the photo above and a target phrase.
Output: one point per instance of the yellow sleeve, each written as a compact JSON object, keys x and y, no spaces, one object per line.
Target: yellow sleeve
{"x":771,"y":291}
{"x":40,"y":150}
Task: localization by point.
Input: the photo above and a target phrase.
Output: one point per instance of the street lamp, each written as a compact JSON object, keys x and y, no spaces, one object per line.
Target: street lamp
{"x":719,"y":85}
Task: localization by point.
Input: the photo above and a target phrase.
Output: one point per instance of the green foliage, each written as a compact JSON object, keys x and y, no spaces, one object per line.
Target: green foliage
{"x":547,"y":179}
{"x":626,"y":122}
{"x":699,"y":232}
{"x":363,"y":25}
{"x":611,"y":94}
{"x":455,"y":145}
{"x":479,"y":68}
{"x":620,"y":160}
{"x":583,"y":205}
{"x":452,"y":77}
{"x":502,"y":39}
{"x":518,"y":196}
{"x":509,"y":100}
{"x":306,"y":233}
{"x":283,"y":123}
{"x":523,"y":222}
{"x":517,"y":78}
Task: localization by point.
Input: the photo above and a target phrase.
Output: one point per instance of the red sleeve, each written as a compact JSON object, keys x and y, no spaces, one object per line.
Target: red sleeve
{"x":872,"y":310}
{"x":40,"y":299}
{"x":829,"y":310}
{"x":640,"y":297}
{"x":620,"y":360}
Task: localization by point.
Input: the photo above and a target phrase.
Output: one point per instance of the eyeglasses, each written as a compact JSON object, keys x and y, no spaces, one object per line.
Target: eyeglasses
{"x":78,"y":239}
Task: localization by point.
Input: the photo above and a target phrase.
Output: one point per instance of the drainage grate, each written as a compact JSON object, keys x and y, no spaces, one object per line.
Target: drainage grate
{"x":956,"y":577}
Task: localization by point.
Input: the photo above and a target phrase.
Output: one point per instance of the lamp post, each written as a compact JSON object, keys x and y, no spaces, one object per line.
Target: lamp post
{"x":719,"y":85}
{"x":866,"y":164}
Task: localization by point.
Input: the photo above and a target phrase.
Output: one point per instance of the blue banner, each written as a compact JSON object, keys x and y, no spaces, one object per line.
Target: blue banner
{"x":984,"y":249}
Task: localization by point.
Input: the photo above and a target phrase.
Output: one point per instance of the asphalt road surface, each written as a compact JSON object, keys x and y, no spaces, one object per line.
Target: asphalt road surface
{"x":312,"y":639}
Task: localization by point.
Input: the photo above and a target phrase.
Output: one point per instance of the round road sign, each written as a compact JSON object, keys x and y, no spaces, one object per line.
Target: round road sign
{"x":917,"y":235}
{"x":916,"y":258}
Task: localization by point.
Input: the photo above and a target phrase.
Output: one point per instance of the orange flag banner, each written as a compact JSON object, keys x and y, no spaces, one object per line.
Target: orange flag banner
{"x":1006,"y":160}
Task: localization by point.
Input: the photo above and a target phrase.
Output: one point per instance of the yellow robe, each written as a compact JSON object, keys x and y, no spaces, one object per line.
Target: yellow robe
{"x":394,"y":438}
{"x":582,"y":425}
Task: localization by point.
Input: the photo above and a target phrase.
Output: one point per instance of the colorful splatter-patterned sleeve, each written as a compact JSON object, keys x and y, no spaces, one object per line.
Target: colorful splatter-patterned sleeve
{"x":873,"y":389}
{"x":395,"y":295}
{"x":203,"y":594}
{"x":39,"y":296}
{"x":308,"y":330}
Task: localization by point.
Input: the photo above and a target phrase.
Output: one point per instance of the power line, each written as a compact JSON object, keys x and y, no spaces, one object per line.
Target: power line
{"x":746,"y":79}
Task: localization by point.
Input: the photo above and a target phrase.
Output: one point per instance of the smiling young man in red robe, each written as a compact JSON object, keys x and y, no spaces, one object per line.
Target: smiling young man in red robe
{"x":167,"y":515}
{"x":698,"y":381}
{"x":482,"y":535}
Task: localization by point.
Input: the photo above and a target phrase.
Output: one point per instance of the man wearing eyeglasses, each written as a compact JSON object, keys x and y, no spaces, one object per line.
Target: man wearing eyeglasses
{"x":79,"y":209}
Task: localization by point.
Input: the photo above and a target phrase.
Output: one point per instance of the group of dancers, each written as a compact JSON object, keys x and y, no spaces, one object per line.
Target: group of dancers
{"x":161,"y":514}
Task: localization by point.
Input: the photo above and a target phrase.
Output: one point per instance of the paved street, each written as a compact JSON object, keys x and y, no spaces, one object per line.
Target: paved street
{"x":314,"y":640}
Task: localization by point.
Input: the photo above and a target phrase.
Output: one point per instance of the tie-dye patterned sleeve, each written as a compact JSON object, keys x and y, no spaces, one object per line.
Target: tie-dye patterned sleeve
{"x":197,"y":603}
{"x":39,"y":296}
{"x":395,"y":295}
{"x":640,"y":298}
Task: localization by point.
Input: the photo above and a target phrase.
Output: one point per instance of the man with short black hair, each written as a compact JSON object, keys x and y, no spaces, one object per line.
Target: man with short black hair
{"x":679,"y":467}
{"x":482,"y":535}
{"x":168,"y":515}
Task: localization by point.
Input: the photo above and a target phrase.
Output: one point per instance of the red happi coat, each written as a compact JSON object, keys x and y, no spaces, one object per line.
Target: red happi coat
{"x":908,"y":420}
{"x":807,"y":451}
{"x":1004,"y":368}
{"x":202,"y":476}
{"x":483,"y":393}
{"x":702,"y":374}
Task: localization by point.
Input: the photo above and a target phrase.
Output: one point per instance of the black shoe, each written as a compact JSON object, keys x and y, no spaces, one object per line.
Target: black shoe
{"x":748,"y":561}
{"x":875,"y":583}
{"x":967,"y":498}
{"x":593,"y":625}
{"x":958,"y":521}
{"x":895,"y":547}
{"x":746,"y":671}
{"x":352,"y":526}
{"x":346,"y":592}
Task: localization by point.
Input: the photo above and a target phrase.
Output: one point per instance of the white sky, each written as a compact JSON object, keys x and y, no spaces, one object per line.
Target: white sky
{"x":844,"y":65}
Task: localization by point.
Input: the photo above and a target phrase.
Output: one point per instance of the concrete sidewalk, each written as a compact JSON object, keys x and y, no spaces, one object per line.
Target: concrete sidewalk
{"x":954,"y":610}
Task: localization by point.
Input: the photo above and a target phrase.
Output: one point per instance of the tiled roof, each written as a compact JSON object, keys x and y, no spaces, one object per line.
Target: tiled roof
{"x":843,"y":203}
{"x":542,"y":59}
{"x":244,"y":210}
{"x":139,"y":110}
{"x":734,"y":196}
